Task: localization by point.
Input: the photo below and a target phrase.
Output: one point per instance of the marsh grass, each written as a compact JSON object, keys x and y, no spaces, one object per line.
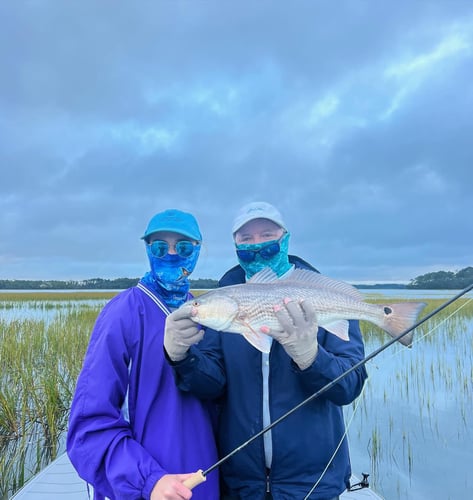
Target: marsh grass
{"x":405,"y":397}
{"x":41,"y":297}
{"x":416,"y":409}
{"x":40,"y":363}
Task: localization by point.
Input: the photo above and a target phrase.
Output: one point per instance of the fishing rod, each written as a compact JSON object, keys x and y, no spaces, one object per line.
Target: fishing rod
{"x":200,"y":476}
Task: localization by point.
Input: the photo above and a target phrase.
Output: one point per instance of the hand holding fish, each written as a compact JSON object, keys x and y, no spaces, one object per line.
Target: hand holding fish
{"x":299,"y":336}
{"x":180,"y":333}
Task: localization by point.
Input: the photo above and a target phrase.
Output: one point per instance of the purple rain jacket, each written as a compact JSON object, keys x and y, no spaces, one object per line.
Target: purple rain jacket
{"x":122,"y":452}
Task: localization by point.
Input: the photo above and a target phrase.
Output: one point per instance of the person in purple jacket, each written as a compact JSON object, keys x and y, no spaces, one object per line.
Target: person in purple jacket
{"x":132,"y":433}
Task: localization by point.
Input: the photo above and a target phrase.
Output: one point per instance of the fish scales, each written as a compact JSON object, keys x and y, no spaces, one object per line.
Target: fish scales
{"x":246,"y":308}
{"x":258,"y":301}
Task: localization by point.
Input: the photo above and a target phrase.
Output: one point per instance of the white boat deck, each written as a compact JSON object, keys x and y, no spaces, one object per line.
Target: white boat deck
{"x":59,"y":480}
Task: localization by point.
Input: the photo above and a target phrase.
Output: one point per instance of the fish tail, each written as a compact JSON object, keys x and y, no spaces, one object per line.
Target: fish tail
{"x":400,"y":317}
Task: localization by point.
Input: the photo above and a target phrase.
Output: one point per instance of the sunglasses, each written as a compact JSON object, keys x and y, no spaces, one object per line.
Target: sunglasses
{"x":184,"y":248}
{"x":266,"y":252}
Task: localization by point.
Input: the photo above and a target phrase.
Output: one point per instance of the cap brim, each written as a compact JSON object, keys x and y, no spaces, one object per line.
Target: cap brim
{"x":172,"y":230}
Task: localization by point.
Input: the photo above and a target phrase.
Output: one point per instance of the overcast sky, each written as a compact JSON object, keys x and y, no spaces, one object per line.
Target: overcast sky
{"x":354,"y":118}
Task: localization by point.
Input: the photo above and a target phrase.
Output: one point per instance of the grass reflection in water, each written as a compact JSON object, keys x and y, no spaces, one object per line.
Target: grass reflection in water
{"x":41,"y":356}
{"x":412,"y":424}
{"x":411,"y":429}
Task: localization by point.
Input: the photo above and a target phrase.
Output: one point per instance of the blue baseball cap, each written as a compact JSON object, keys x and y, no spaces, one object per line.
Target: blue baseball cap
{"x":175,"y":221}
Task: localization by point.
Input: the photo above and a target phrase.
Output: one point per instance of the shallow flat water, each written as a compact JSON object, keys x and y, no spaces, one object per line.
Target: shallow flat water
{"x":413,"y":427}
{"x":412,"y":294}
{"x":47,"y":310}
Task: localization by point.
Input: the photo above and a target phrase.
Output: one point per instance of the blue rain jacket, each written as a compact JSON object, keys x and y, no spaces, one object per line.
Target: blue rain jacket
{"x":227,"y":367}
{"x":124,"y":452}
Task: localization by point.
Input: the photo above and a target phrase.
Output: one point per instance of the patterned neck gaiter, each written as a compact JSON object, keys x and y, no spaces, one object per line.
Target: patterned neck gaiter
{"x":279,"y":262}
{"x":168,"y":277}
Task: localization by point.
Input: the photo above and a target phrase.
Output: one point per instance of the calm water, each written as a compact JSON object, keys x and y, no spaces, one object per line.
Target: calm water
{"x":44,"y":310}
{"x":414,"y":294}
{"x":412,"y":428}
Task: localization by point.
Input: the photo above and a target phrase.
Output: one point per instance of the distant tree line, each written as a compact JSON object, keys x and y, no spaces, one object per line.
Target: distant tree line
{"x":380,"y":286}
{"x":446,"y":280}
{"x":440,"y":280}
{"x":89,"y":284}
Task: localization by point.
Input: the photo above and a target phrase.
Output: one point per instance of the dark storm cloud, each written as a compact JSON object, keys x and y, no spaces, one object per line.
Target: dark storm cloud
{"x":353,"y":117}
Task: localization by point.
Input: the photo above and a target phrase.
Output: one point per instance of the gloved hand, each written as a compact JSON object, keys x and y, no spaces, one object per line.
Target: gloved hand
{"x":180,"y":332}
{"x":299,"y":336}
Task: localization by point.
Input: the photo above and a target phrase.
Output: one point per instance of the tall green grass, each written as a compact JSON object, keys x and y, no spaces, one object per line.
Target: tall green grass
{"x":40,"y":360}
{"x":40,"y":363}
{"x":31,"y":297}
{"x":417,"y":398}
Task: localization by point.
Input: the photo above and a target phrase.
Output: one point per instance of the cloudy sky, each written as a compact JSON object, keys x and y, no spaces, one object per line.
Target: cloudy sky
{"x":353,"y":117}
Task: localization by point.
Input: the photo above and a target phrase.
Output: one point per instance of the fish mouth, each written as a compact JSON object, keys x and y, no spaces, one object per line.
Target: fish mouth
{"x":218,"y":317}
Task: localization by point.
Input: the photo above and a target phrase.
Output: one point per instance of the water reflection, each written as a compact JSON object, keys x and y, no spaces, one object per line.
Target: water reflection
{"x":412,"y":294}
{"x":41,"y":310}
{"x":412,"y":428}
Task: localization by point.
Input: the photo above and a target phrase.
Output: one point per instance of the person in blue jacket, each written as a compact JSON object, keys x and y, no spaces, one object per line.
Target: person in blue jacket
{"x":132,"y":433}
{"x":253,"y":389}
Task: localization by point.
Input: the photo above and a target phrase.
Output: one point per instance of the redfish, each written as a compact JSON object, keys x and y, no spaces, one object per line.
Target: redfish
{"x":246,"y":308}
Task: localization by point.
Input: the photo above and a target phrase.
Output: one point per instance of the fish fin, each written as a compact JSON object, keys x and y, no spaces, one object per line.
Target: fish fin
{"x":266,"y":275}
{"x":257,"y":339}
{"x":339,"y":328}
{"x":260,"y":341}
{"x":320,"y":281}
{"x":399,"y":318}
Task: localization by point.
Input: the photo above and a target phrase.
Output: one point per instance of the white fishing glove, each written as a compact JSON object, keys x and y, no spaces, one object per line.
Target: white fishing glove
{"x":299,"y":336}
{"x":180,"y":332}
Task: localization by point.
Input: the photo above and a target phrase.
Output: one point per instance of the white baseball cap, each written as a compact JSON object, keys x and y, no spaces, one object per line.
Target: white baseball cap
{"x":257,"y":210}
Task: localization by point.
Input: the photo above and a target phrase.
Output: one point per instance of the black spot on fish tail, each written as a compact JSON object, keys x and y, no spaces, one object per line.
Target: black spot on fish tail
{"x":399,"y":318}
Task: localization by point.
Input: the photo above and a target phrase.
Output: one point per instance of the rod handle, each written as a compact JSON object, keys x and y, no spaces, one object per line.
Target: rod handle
{"x":194,"y":480}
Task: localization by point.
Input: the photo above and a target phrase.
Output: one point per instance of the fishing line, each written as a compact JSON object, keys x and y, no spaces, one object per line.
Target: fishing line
{"x":199,"y":476}
{"x":356,"y":407}
{"x":435,"y":327}
{"x":345,"y":435}
{"x":418,"y":339}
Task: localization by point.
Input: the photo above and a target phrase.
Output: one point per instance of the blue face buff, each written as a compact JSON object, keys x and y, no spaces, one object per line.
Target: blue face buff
{"x":255,"y":257}
{"x":169,"y":275}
